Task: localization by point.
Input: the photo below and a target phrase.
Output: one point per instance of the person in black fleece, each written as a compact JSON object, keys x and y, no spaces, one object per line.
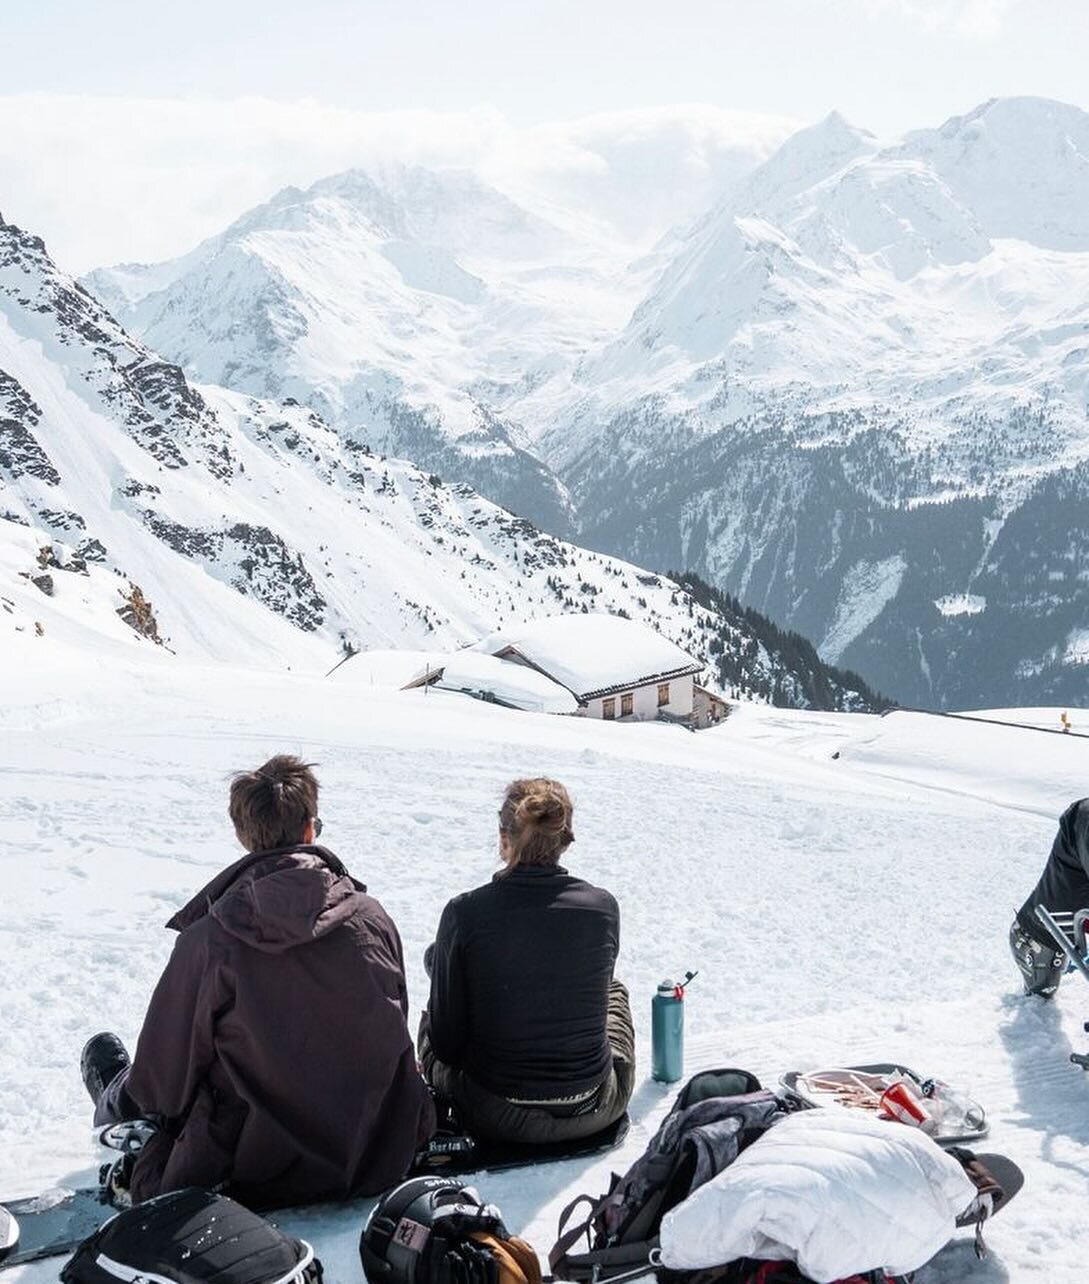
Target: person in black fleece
{"x":1063,"y":889}
{"x":528,"y":1033}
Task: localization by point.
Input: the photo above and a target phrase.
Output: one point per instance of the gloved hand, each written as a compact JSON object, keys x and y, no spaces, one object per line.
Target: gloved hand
{"x":455,"y":1222}
{"x":465,"y":1263}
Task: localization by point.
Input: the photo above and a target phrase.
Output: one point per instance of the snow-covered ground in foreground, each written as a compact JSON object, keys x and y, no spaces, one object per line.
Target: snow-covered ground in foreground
{"x":837,"y":908}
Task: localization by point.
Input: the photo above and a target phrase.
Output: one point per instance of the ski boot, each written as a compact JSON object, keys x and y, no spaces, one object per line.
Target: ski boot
{"x":1041,"y":966}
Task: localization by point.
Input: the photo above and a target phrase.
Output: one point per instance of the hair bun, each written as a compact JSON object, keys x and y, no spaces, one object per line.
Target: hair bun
{"x":536,"y":817}
{"x":544,"y":808}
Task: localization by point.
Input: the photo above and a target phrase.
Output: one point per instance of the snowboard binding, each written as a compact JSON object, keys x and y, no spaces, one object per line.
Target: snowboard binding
{"x":1076,"y":951}
{"x":129,"y":1137}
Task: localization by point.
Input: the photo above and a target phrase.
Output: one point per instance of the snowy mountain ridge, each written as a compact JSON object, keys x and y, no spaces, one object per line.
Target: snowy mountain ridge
{"x":411,"y":306}
{"x":138,"y":506}
{"x":871,"y":366}
{"x":833,"y":395}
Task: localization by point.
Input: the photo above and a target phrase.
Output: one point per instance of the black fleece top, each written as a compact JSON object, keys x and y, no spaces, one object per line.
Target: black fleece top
{"x":1063,"y":888}
{"x":520,"y":983}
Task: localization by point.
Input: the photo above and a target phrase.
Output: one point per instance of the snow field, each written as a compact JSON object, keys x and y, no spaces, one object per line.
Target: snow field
{"x":837,"y":909}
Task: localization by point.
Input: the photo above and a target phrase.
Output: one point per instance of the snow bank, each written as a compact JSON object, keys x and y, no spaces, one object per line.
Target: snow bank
{"x":961,"y":604}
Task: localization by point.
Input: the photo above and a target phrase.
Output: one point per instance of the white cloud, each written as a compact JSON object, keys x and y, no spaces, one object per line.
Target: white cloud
{"x":107,"y":179}
{"x":971,"y":19}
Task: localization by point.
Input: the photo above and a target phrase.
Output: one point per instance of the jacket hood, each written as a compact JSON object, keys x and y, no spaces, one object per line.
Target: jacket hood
{"x":277,"y":900}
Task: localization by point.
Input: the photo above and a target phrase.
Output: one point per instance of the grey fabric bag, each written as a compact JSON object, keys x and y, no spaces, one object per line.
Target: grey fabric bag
{"x":716,"y":1115}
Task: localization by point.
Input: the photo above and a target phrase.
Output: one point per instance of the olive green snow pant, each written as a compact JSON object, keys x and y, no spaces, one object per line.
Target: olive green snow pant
{"x":490,"y":1117}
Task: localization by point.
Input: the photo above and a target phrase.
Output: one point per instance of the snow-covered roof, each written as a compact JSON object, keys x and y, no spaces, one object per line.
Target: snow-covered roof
{"x":590,"y":654}
{"x":384,"y":667}
{"x":512,"y":684}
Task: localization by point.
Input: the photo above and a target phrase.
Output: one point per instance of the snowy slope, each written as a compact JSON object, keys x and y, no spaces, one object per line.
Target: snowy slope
{"x":255,"y":532}
{"x":858,"y":908}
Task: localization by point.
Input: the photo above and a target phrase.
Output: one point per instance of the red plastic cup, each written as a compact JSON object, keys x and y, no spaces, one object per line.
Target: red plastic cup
{"x":899,"y":1102}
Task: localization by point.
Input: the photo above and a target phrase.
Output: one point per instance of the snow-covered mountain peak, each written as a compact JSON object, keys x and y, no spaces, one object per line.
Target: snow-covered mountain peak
{"x":451,"y":207}
{"x":407,"y":305}
{"x":1013,"y":115}
{"x":807,"y":158}
{"x":812,"y":282}
{"x":868,"y":371}
{"x":1021,"y":165}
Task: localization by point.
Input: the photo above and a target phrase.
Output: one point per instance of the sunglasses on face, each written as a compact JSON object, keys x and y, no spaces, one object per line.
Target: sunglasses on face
{"x":317,"y":826}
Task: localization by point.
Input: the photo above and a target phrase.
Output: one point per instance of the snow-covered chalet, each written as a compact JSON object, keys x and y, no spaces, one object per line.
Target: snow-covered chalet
{"x":598,"y":666}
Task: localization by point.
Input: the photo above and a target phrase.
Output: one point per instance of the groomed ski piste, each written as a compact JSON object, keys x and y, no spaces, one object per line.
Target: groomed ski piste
{"x":839,"y":909}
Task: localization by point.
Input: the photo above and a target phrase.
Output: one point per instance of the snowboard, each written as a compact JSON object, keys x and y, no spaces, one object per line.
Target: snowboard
{"x":859,"y":1087}
{"x":58,"y":1221}
{"x":1008,"y":1176}
{"x":51,"y":1223}
{"x":459,"y":1155}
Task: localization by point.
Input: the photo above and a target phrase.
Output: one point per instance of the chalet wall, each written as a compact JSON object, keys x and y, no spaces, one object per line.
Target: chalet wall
{"x":645,"y":702}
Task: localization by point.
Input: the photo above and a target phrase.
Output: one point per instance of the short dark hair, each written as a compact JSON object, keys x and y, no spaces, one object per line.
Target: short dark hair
{"x":270,"y":806}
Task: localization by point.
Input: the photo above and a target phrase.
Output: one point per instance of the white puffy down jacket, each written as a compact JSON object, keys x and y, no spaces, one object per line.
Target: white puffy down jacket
{"x":836,"y":1192}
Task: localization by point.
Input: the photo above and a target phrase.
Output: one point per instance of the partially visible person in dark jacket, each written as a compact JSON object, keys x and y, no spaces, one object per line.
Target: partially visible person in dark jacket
{"x":275,"y":1056}
{"x":1063,"y":889}
{"x":527,"y":1032}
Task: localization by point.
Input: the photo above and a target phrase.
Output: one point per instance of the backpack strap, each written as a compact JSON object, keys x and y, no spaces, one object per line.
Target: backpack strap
{"x":567,"y":1239}
{"x":605,"y":1264}
{"x":594,"y":1263}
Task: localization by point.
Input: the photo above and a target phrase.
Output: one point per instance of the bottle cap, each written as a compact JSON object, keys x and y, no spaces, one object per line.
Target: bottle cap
{"x":666,"y":987}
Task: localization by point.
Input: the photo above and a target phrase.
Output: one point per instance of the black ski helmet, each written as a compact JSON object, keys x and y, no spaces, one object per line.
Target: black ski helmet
{"x":422,"y":1216}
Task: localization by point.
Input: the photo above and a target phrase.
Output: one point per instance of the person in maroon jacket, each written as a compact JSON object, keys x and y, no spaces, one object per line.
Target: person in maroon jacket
{"x":275,"y":1058}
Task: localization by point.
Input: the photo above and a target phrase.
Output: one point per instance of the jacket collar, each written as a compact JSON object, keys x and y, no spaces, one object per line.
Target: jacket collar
{"x":203,"y":901}
{"x":520,"y":872}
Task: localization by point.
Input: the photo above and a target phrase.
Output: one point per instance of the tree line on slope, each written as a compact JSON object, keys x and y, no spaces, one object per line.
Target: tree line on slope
{"x":797,"y":678}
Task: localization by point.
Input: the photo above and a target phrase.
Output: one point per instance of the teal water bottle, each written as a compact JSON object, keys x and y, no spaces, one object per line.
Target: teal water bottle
{"x":667,"y":1031}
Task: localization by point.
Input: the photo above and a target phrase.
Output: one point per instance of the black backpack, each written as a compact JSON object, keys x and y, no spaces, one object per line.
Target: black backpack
{"x":717,"y":1114}
{"x":191,"y":1237}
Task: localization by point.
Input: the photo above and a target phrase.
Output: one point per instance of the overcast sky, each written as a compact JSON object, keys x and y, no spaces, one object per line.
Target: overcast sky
{"x":122,"y":134}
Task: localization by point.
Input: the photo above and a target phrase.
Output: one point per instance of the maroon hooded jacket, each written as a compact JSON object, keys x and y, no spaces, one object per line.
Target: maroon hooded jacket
{"x":275,"y":1052}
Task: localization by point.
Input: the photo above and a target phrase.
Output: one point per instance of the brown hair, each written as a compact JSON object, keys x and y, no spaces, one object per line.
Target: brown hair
{"x":536,"y":818}
{"x":270,"y":806}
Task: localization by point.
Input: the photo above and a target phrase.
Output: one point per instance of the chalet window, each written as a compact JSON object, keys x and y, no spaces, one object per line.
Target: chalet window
{"x":608,"y":707}
{"x":626,"y":704}
{"x":663,"y":693}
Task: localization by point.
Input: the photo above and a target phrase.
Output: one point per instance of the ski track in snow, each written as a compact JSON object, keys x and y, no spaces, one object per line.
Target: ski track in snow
{"x":838,"y":910}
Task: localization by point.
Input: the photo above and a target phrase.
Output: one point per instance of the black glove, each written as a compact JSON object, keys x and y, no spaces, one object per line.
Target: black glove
{"x":465,"y":1263}
{"x":456,"y":1222}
